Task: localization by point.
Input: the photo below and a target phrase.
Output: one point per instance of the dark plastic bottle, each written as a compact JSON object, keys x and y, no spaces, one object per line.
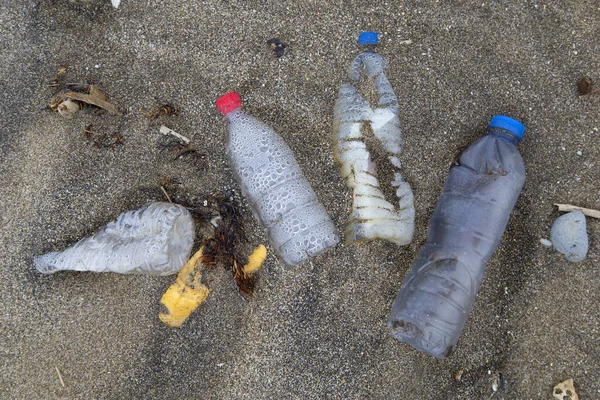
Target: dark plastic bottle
{"x":431,"y":309}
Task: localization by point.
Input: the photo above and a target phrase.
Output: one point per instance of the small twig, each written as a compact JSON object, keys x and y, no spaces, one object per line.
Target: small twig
{"x":585,"y":211}
{"x":166,"y":194}
{"x":168,"y":131}
{"x":60,"y":376}
{"x":184,"y":150}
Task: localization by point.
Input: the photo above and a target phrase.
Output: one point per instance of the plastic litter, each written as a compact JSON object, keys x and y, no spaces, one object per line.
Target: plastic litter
{"x":569,"y":236}
{"x":155,"y":240}
{"x":281,"y":198}
{"x":372,"y":215}
{"x":431,"y":309}
{"x":186,"y":294}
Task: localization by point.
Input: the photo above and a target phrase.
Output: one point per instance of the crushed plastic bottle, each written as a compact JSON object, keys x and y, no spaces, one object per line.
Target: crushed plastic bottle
{"x":372,"y":215}
{"x":155,"y":240}
{"x":280,"y":196}
{"x":431,"y":309}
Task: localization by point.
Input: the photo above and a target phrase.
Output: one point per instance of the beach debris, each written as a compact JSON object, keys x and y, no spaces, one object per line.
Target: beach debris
{"x":166,"y":194}
{"x":585,"y":86}
{"x":226,"y":246}
{"x":62,"y":382}
{"x":255,"y":260}
{"x":546,"y":242}
{"x":586,"y":211}
{"x":495,"y":381}
{"x":155,"y":240}
{"x":187,"y":293}
{"x":459,"y":374}
{"x":181,"y":145}
{"x":60,"y":74}
{"x":178,"y":147}
{"x":102,"y":140}
{"x":372,"y":216}
{"x":68,"y":108}
{"x":565,"y":391}
{"x":277,"y":46}
{"x":165,"y":109}
{"x":223,"y":248}
{"x":115,"y":3}
{"x":91,"y":95}
{"x":569,"y":236}
{"x":168,"y":131}
{"x":407,"y":41}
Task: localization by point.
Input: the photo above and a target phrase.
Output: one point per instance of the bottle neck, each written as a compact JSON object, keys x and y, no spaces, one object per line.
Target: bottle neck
{"x":504,"y":134}
{"x":233,"y":113}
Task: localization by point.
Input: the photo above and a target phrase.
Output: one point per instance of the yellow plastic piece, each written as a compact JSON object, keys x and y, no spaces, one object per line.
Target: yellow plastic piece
{"x":256,"y":260}
{"x":186,"y":294}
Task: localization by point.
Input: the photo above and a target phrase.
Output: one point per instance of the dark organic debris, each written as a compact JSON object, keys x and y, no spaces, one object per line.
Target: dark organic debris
{"x":177,"y":148}
{"x":102,"y":140}
{"x":277,"y":46}
{"x":229,"y":237}
{"x":585,"y":86}
{"x":60,"y":74}
{"x":166,"y":182}
{"x":166,"y":109}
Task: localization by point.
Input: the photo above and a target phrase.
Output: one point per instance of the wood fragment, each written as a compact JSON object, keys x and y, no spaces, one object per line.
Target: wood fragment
{"x":166,"y":193}
{"x":168,"y":131}
{"x":95,"y":97}
{"x":585,"y":211}
{"x":60,"y":376}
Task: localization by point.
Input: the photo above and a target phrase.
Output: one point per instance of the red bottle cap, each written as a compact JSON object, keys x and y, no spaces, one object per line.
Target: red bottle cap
{"x":228,"y":102}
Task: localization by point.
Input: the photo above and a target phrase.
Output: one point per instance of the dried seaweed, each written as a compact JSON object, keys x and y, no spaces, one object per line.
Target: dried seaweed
{"x":585,"y":87}
{"x":165,"y":109}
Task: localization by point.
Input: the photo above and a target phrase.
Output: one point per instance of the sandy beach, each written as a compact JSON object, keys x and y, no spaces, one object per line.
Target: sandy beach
{"x":316,"y":331}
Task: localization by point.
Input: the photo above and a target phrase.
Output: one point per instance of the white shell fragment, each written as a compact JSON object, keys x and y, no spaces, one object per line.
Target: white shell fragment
{"x":168,"y":131}
{"x":115,"y":3}
{"x":546,"y":242}
{"x":373,"y":216}
{"x":565,"y":391}
{"x":154,"y":240}
{"x":67,"y":108}
{"x":569,"y":236}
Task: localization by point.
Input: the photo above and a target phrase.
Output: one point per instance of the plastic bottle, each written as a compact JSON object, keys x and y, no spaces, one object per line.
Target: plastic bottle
{"x":372,"y":216}
{"x":431,"y":309}
{"x":155,"y":240}
{"x":281,"y":198}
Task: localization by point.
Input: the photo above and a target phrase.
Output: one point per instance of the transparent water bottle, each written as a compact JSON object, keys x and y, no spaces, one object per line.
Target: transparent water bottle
{"x":431,"y":309}
{"x":281,"y":198}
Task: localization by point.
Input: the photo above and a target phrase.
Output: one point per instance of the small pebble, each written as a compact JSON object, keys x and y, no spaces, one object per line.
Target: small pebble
{"x":569,"y":236}
{"x":579,"y":153}
{"x":546,"y":242}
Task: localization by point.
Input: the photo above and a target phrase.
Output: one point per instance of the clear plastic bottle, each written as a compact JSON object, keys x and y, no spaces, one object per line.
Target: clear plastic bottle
{"x":431,"y":309}
{"x":355,"y":120}
{"x":153,"y":240}
{"x":281,"y":198}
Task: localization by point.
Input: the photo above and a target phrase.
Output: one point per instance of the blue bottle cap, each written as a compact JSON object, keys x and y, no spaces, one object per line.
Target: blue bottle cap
{"x":368,"y":37}
{"x":512,"y":125}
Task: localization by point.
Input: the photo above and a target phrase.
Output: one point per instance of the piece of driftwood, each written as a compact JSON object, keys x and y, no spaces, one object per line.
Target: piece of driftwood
{"x":586,"y":211}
